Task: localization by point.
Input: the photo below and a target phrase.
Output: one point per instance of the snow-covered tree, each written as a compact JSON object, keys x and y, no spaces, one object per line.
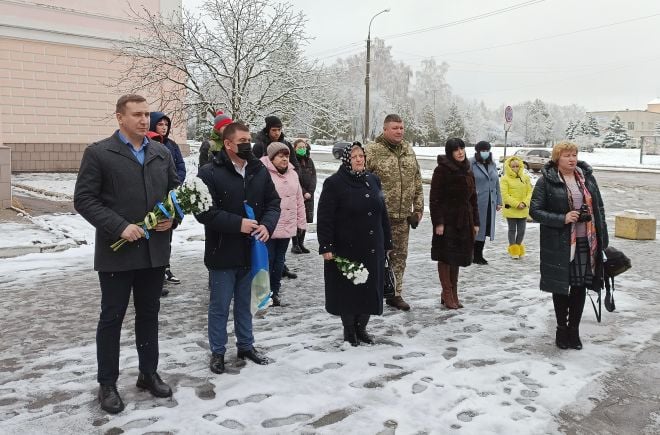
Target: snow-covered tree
{"x":240,"y":56}
{"x":428,"y":126}
{"x":590,"y":126}
{"x":453,"y":124}
{"x":539,"y":123}
{"x":617,"y":135}
{"x":570,"y":129}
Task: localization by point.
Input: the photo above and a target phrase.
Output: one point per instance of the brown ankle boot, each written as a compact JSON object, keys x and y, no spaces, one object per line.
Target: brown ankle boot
{"x":445,"y":282}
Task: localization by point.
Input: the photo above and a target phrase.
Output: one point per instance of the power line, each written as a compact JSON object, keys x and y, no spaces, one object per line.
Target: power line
{"x":465,"y":20}
{"x":542,"y":38}
{"x":440,"y":26}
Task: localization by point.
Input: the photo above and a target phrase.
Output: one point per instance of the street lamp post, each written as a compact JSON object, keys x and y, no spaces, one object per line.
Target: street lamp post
{"x":366,"y":79}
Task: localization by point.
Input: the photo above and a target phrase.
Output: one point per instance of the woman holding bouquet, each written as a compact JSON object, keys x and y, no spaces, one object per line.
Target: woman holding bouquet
{"x":353,"y":224}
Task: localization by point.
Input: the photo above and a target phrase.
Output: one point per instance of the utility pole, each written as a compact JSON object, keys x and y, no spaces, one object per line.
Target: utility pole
{"x":366,"y":79}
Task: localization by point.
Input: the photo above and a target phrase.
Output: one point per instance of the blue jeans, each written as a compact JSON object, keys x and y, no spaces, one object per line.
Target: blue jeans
{"x":276,"y":255}
{"x":225,"y":285}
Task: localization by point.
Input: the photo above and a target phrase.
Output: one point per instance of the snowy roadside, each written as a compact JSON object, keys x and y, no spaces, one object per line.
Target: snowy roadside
{"x":489,"y":368}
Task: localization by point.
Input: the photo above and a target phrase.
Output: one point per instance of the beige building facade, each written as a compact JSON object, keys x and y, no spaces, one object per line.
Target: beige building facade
{"x":640,"y":123}
{"x":56,"y":81}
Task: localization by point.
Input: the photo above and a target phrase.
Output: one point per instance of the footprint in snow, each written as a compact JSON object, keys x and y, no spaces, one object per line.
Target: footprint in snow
{"x":327,"y":366}
{"x":254,"y":398}
{"x":409,"y":355}
{"x":450,"y":353}
{"x":284,"y":421}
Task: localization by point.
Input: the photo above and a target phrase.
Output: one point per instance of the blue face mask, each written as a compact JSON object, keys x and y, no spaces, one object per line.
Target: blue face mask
{"x":484,"y":154}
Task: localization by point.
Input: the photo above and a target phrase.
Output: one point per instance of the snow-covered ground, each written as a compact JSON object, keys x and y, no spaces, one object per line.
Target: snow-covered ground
{"x":624,"y":158}
{"x":491,"y":367}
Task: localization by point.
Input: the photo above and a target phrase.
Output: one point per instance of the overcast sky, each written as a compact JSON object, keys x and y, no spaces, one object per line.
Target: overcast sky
{"x":601,"y":54}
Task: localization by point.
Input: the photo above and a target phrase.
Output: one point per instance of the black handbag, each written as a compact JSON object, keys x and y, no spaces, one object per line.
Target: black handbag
{"x":389,"y":285}
{"x":615,"y":263}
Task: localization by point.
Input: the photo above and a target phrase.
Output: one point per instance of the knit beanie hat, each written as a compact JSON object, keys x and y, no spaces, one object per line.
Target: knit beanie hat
{"x":273,"y":121}
{"x":221,"y":120}
{"x":276,"y":147}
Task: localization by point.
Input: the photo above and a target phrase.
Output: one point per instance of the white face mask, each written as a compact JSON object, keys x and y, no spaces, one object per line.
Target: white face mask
{"x":484,"y":154}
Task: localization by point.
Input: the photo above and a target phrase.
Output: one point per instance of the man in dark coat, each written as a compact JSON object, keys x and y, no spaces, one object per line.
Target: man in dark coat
{"x":121,"y":179}
{"x":272,"y":132}
{"x":235,"y":177}
{"x":161,"y":124}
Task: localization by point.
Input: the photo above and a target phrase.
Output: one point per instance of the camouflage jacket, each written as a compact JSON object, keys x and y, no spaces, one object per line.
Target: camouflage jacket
{"x":397,"y":167}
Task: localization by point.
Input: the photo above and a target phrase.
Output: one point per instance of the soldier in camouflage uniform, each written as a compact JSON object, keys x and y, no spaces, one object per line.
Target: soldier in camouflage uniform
{"x":394,"y":161}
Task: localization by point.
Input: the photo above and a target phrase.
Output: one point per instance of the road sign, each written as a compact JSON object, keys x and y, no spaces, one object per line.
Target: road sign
{"x":508,"y":114}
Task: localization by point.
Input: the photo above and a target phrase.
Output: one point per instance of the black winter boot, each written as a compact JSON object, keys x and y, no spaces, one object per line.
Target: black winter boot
{"x":574,"y":341}
{"x":349,"y":329}
{"x":295,"y":245}
{"x":576,"y":299}
{"x":561,"y":337}
{"x":361,"y":321}
{"x":479,"y":253}
{"x":301,"y":241}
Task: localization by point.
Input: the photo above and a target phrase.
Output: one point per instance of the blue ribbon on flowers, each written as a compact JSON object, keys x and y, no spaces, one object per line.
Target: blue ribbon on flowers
{"x":176,"y":204}
{"x":164,"y":210}
{"x":146,"y":231}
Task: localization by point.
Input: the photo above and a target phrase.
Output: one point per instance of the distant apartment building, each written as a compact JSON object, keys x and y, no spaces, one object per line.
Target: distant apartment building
{"x":640,"y":123}
{"x":58,"y":65}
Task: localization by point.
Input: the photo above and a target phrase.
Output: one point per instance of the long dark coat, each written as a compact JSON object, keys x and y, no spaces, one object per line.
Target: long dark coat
{"x":353,"y":223}
{"x":549,"y":207}
{"x":453,"y":203}
{"x":114,"y":190}
{"x":226,"y":247}
{"x":307,"y":176}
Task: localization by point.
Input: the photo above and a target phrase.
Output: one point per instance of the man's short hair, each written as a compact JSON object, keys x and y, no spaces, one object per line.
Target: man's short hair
{"x":128,"y":98}
{"x":392,"y":117}
{"x":232,"y":128}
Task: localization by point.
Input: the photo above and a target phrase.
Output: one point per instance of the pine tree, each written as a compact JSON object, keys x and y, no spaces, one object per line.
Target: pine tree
{"x":570,"y":130}
{"x":590,"y":126}
{"x":617,"y":135}
{"x":454,"y":126}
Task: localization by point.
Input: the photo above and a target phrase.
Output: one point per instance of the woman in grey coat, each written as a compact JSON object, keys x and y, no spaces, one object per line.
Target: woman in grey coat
{"x":489,"y":197}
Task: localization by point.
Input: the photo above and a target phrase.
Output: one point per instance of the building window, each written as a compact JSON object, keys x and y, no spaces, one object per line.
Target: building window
{"x":631,"y":126}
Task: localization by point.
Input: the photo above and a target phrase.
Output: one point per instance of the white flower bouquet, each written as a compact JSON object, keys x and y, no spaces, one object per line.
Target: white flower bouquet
{"x":353,"y":271}
{"x":191,"y":197}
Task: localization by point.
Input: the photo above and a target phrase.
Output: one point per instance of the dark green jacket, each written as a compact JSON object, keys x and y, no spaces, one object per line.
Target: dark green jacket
{"x":549,"y":207}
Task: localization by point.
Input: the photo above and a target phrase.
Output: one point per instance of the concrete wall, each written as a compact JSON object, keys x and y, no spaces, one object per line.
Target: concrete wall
{"x":5,"y":176}
{"x":58,"y":68}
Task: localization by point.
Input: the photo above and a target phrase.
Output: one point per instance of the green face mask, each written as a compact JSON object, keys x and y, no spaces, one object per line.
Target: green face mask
{"x":301,"y":152}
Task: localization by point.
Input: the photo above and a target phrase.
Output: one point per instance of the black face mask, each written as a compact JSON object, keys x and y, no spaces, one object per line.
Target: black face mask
{"x":244,"y":151}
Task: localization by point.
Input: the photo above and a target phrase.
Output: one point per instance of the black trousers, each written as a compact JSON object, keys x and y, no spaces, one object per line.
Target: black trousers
{"x":147,"y":285}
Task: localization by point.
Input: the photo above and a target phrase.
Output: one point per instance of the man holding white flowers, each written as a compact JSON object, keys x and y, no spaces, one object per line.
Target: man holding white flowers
{"x":234,"y":177}
{"x":353,"y":225}
{"x":121,"y":179}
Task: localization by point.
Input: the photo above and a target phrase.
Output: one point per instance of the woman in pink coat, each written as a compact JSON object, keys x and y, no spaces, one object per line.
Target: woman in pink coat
{"x":292,"y":216}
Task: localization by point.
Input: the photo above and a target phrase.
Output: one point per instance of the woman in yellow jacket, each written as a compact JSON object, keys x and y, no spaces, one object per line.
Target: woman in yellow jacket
{"x":516,"y":190}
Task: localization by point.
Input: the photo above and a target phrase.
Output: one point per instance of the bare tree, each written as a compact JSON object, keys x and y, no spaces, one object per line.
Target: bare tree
{"x":239,"y":56}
